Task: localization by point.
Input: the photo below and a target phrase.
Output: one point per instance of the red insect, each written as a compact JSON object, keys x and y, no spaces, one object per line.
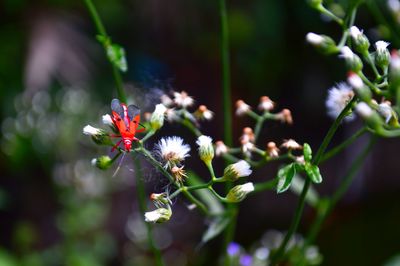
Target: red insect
{"x":127,"y":120}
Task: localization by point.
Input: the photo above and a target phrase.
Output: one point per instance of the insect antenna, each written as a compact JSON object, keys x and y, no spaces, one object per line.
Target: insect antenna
{"x":119,"y":164}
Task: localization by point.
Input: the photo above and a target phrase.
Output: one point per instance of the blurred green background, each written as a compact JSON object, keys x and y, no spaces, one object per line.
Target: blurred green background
{"x":56,"y":209}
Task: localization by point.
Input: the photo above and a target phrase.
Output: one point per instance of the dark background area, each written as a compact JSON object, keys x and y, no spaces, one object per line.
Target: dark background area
{"x":55,"y":79}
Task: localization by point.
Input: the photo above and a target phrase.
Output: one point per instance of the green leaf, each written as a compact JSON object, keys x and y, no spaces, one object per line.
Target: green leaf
{"x":116,"y":54}
{"x":313,"y":173}
{"x":285,"y":176}
{"x":307,"y":152}
{"x":216,"y":227}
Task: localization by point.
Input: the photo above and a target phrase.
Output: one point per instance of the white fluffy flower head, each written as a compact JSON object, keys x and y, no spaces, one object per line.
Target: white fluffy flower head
{"x":338,"y":97}
{"x":355,"y":32}
{"x":381,"y":46}
{"x":206,"y":149}
{"x":172,"y":150}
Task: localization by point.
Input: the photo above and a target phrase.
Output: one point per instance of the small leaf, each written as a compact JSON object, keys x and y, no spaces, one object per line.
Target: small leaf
{"x":313,"y":173}
{"x":285,"y":176}
{"x":307,"y":152}
{"x":116,"y":54}
{"x":216,"y":227}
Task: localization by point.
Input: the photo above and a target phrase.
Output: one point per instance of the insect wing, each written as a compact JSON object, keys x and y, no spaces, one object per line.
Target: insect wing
{"x":119,"y":122}
{"x":117,"y":107}
{"x":133,"y":111}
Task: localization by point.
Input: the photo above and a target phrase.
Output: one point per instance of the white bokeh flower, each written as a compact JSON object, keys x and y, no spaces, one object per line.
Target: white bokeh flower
{"x":220,"y":148}
{"x":182,"y":99}
{"x":107,"y":120}
{"x":92,"y":131}
{"x":314,"y":39}
{"x":291,"y":144}
{"x":266,"y":104}
{"x":172,"y":150}
{"x":242,"y":108}
{"x":338,"y":97}
{"x":364,"y":110}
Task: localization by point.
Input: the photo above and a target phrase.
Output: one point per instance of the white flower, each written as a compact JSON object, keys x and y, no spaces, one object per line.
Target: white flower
{"x":220,"y":148}
{"x":247,"y":148}
{"x":385,"y":110}
{"x":234,"y":171}
{"x":291,"y":144}
{"x":381,"y":46}
{"x":158,"y":216}
{"x":393,"y":5}
{"x":92,"y":131}
{"x":239,"y":192}
{"x":266,"y":104}
{"x":182,"y":99}
{"x":354,"y":80}
{"x":172,"y":115}
{"x":172,"y":150}
{"x":166,"y":100}
{"x":355,"y":32}
{"x":241,"y":108}
{"x":206,"y":149}
{"x":364,"y":110}
{"x":157,"y":117}
{"x":338,"y":97}
{"x":314,"y":39}
{"x":107,"y":120}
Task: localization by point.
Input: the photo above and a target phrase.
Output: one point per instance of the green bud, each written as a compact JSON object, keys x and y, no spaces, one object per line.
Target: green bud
{"x":360,"y":41}
{"x":307,"y":152}
{"x":382,"y":55}
{"x":315,"y":3}
{"x":237,"y":170}
{"x":353,"y":61}
{"x":157,"y":117}
{"x":99,"y":136}
{"x":206,"y":149}
{"x":103,"y":162}
{"x":239,"y":192}
{"x":323,"y":43}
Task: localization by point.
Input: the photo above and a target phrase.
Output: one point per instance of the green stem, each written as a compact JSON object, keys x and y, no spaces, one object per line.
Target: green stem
{"x":226,"y":86}
{"x":367,"y":56}
{"x":344,"y":186}
{"x":141,"y":195}
{"x":343,"y":145}
{"x":375,"y":89}
{"x":316,"y":160}
{"x":328,"y":13}
{"x":102,"y":31}
{"x":267,"y":185}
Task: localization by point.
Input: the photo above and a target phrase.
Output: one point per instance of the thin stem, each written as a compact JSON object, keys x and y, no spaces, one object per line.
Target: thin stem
{"x":102,"y":31}
{"x":316,"y":160}
{"x":226,"y":79}
{"x":258,"y":127}
{"x":267,"y":185}
{"x":141,"y":195}
{"x":367,"y":56}
{"x":344,"y":186}
{"x":343,"y":145}
{"x":328,"y":13}
{"x":369,"y":83}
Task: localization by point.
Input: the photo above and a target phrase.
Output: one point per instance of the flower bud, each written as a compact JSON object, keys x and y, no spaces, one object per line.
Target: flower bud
{"x":102,"y":162}
{"x":361,"y":42}
{"x":98,"y":135}
{"x":266,"y":104}
{"x":382,"y":55}
{"x":361,"y":90}
{"x":352,"y":60}
{"x":203,"y":113}
{"x":159,"y":198}
{"x":158,"y":216}
{"x":370,"y":116}
{"x":157,"y":117}
{"x":107,"y":120}
{"x":315,"y":3}
{"x":291,"y":144}
{"x":239,"y":192}
{"x":242,"y":108}
{"x":220,"y":148}
{"x":386,"y":111}
{"x":234,"y":171}
{"x":206,"y":149}
{"x":272,"y":149}
{"x":323,"y":43}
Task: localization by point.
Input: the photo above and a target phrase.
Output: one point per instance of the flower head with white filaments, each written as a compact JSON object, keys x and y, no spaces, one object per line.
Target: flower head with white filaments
{"x":338,"y":98}
{"x":182,"y":99}
{"x":172,"y":151}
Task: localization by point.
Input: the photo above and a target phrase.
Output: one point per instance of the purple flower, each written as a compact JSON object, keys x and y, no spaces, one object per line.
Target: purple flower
{"x":246,"y":260}
{"x":233,"y":249}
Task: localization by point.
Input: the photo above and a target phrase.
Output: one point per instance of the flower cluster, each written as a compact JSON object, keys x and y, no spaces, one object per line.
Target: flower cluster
{"x":371,"y":98}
